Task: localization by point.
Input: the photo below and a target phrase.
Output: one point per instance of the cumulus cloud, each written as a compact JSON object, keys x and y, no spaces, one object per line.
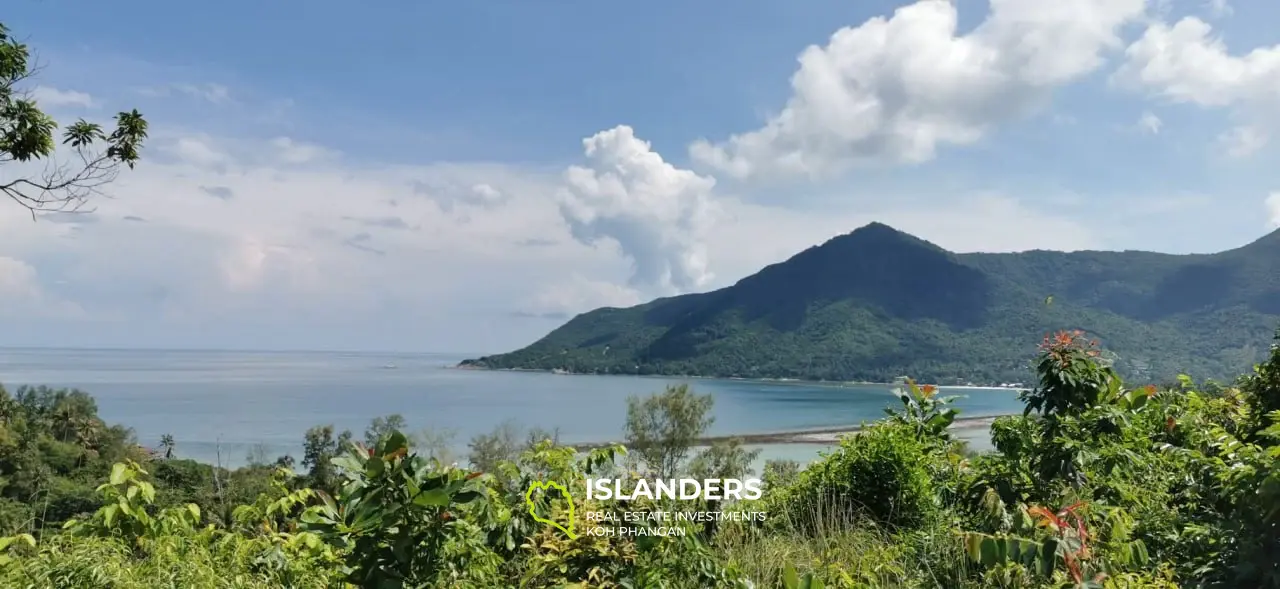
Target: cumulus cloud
{"x":197,"y":151}
{"x":1186,"y":63}
{"x":47,"y":96}
{"x":1273,"y":209}
{"x":24,"y":296}
{"x":291,"y":151}
{"x":1150,"y":123}
{"x":656,"y":213}
{"x":1242,"y":141}
{"x":450,"y":190}
{"x":896,"y":89}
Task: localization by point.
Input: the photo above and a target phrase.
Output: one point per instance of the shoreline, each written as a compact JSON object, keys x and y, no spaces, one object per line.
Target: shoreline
{"x":782,"y":381}
{"x":824,"y":436}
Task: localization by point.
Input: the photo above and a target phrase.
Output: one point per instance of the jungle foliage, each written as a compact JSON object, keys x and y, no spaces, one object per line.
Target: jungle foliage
{"x":1097,"y":484}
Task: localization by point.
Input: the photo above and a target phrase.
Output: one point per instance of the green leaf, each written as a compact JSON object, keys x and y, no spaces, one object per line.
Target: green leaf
{"x":109,"y":514}
{"x":27,"y":539}
{"x":973,"y":545}
{"x":396,"y":441}
{"x":790,"y":579}
{"x":118,"y":473}
{"x":374,"y":467}
{"x":1048,"y":557}
{"x":348,"y":462}
{"x":466,"y":496}
{"x":991,"y":551}
{"x":437,"y":497}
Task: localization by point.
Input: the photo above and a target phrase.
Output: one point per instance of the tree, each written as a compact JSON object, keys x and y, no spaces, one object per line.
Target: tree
{"x":27,"y":135}
{"x":319,"y":448}
{"x":724,"y":460}
{"x":1262,"y":390}
{"x":500,"y":445}
{"x":662,"y":427}
{"x":167,"y":444}
{"x":382,"y":427}
{"x":780,"y":473}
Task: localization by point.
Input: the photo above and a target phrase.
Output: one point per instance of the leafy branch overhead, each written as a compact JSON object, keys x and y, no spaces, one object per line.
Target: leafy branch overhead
{"x":29,"y":135}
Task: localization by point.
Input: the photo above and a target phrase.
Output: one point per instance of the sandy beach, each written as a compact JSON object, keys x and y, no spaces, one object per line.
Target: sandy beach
{"x":819,"y":436}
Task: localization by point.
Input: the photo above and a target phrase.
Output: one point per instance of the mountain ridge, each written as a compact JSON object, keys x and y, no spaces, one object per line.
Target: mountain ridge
{"x":877,"y":303}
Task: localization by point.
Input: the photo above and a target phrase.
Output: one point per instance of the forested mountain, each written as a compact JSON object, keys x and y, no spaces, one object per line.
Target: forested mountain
{"x":877,"y":303}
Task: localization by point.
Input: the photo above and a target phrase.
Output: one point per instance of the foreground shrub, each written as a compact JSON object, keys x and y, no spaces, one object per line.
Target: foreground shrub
{"x":879,"y":475}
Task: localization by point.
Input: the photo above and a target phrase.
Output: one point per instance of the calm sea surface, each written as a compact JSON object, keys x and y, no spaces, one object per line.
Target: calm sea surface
{"x":224,"y":404}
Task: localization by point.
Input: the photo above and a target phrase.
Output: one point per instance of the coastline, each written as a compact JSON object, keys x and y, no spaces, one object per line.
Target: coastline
{"x":825,"y":436}
{"x":784,"y":381}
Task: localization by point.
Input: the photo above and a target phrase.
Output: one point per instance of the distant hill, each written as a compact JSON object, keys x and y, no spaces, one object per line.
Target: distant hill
{"x":877,"y":303}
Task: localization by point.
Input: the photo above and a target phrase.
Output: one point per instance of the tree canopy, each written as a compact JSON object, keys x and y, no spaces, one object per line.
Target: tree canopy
{"x":29,"y":135}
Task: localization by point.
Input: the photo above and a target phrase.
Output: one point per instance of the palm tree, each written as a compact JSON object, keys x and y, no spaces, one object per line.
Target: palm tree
{"x":167,"y":444}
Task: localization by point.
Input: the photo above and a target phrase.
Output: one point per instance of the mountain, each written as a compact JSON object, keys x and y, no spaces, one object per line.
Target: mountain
{"x":877,"y":303}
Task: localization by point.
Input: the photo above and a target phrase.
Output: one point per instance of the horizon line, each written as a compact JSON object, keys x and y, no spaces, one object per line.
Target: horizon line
{"x":74,"y":348}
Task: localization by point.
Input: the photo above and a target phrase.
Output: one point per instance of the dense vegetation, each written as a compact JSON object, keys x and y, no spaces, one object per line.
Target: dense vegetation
{"x":1097,"y":485}
{"x":877,"y":303}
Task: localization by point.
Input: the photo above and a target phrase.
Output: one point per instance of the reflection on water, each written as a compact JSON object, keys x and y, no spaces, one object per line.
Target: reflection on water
{"x":229,"y":402}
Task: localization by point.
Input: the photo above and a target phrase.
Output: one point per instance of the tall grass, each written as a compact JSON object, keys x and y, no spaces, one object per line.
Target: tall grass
{"x":828,"y":537}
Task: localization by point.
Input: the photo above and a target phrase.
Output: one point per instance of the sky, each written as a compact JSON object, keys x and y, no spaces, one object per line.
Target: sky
{"x":466,"y":176}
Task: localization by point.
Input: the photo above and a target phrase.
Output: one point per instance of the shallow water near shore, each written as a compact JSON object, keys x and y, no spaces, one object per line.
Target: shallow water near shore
{"x":221,"y":405}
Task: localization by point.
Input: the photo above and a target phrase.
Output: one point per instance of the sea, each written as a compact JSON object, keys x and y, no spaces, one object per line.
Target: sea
{"x":222,"y":407}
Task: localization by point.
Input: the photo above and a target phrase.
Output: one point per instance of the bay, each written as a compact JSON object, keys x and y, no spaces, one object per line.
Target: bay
{"x":220,"y":405}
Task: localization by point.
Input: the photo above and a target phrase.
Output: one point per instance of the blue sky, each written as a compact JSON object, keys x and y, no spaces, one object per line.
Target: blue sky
{"x":464,"y":176}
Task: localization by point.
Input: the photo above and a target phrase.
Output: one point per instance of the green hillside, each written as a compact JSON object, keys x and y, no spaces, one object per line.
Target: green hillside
{"x":877,"y":303}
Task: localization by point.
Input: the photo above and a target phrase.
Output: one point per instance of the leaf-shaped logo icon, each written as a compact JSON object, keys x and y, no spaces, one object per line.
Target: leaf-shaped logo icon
{"x":549,"y":488}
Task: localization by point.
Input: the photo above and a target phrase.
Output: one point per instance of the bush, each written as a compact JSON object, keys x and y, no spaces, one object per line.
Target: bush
{"x":879,"y":474}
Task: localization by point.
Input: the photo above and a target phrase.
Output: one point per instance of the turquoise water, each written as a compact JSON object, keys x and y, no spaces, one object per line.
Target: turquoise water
{"x":223,"y":404}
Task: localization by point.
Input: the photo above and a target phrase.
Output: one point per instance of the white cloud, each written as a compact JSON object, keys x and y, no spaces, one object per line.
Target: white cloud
{"x":208,"y":92}
{"x":1187,"y":63}
{"x":486,"y":193}
{"x":1242,"y":141}
{"x":1150,"y":123}
{"x":197,"y":151}
{"x":25,"y":297}
{"x":352,"y":254}
{"x":47,"y":96}
{"x":17,"y":278}
{"x":1218,"y":8}
{"x":573,"y":293}
{"x":895,"y":89}
{"x":657,"y":214}
{"x":1273,"y":209}
{"x":1184,"y":63}
{"x":290,"y":151}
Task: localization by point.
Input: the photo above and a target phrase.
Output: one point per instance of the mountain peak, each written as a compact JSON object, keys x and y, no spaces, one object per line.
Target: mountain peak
{"x":875,"y":228}
{"x":875,"y":236}
{"x":876,"y":303}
